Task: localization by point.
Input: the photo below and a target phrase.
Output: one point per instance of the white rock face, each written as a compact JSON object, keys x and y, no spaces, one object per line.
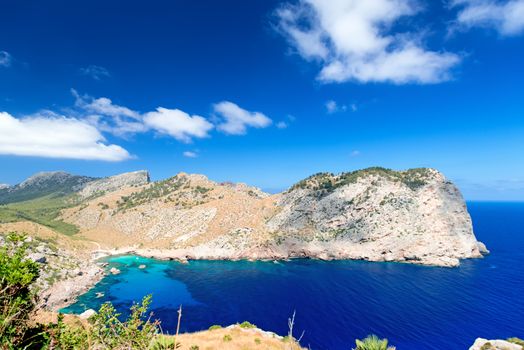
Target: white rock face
{"x":375,"y":214}
{"x":414,"y":217}
{"x":87,"y":314}
{"x":485,"y":344}
{"x":112,"y":183}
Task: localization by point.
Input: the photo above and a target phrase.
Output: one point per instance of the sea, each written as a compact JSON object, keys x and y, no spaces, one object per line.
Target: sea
{"x":336,"y":302}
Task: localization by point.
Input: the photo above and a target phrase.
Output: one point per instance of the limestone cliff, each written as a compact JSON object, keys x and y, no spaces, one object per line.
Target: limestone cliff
{"x":415,"y":216}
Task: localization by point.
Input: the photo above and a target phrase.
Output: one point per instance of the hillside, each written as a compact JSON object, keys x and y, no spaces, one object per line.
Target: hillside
{"x":377,"y":214}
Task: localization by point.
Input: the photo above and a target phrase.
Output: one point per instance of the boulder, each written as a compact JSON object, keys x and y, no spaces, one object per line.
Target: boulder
{"x":485,"y":344}
{"x":87,"y":314}
{"x":114,"y":271}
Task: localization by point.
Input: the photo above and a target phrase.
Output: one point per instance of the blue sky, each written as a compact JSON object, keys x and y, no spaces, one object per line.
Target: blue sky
{"x":265,"y":92}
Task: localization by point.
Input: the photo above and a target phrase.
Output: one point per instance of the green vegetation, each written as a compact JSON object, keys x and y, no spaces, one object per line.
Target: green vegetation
{"x":17,"y":273}
{"x":517,"y":341}
{"x":44,"y":211}
{"x":153,"y":191}
{"x":328,"y":182}
{"x":247,"y":325}
{"x":51,"y":184}
{"x":105,"y":329}
{"x":372,"y":342}
{"x":215,"y":326}
{"x":227,"y":338}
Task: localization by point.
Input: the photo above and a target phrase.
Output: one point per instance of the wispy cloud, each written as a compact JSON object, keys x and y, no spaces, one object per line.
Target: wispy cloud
{"x":235,"y":120}
{"x":333,"y":107}
{"x":107,"y":116}
{"x":95,"y":72}
{"x":353,"y":41}
{"x":55,"y":136}
{"x":5,"y":59}
{"x":123,"y":121}
{"x":281,"y":125}
{"x":507,"y":17}
{"x":354,"y":153}
{"x":190,"y":154}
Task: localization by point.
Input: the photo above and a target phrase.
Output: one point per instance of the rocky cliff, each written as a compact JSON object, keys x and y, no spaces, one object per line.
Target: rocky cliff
{"x":376,"y":214}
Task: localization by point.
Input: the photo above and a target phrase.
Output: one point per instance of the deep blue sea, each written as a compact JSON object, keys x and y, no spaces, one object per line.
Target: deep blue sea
{"x":415,"y":307}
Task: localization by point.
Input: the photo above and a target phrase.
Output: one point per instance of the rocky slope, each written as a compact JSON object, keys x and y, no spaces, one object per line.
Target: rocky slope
{"x":376,"y":214}
{"x":66,"y":266}
{"x":498,"y":344}
{"x":43,"y":184}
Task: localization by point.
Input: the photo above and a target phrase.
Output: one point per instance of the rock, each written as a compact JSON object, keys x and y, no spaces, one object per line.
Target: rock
{"x":87,"y":314}
{"x":415,"y":216}
{"x":99,"y":294}
{"x":38,"y":257}
{"x":482,"y":248}
{"x":485,"y":344}
{"x":113,"y":183}
{"x":114,"y":271}
{"x":142,"y":266}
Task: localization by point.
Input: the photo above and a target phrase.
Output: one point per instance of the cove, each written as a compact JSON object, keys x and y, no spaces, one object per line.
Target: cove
{"x":415,"y":307}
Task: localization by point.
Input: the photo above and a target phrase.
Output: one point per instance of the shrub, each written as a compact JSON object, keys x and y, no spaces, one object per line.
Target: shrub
{"x":517,"y":341}
{"x":257,"y":341}
{"x":194,"y":347}
{"x":247,"y":324}
{"x":137,"y":332}
{"x":215,"y":326}
{"x":17,"y":273}
{"x":372,"y":342}
{"x":227,"y":338}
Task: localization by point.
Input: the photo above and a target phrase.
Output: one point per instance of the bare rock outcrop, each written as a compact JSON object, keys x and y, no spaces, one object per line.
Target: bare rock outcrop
{"x":497,"y":344}
{"x":113,"y":183}
{"x":376,"y":214}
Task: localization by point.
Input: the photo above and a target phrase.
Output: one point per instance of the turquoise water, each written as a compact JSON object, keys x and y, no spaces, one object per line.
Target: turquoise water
{"x":415,"y":307}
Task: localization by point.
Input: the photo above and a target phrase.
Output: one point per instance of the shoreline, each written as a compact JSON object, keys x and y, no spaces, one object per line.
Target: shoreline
{"x":66,"y":292}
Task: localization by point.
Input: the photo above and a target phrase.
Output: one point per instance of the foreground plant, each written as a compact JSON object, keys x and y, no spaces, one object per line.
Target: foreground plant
{"x":17,"y":273}
{"x":372,"y":342}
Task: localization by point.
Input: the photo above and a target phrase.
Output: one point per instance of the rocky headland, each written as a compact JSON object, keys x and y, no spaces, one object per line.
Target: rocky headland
{"x":376,"y":214}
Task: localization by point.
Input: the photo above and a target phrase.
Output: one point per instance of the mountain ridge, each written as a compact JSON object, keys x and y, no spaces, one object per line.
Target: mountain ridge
{"x":416,"y":216}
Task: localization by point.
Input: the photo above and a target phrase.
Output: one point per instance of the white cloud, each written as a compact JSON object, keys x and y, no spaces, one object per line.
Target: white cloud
{"x":95,"y":72}
{"x":236,"y":120}
{"x":109,"y":117}
{"x":178,"y":124}
{"x":354,"y":107}
{"x":55,"y":136}
{"x":353,"y":41}
{"x":507,"y":17}
{"x":5,"y":59}
{"x":333,"y":107}
{"x":282,"y":125}
{"x":355,"y":153}
{"x":190,"y":154}
{"x":122,"y":121}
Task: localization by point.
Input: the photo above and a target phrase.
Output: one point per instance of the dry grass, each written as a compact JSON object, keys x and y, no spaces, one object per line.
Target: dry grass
{"x":241,"y":339}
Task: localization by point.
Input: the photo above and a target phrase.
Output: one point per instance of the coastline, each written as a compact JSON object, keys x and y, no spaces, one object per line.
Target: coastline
{"x":66,"y":292}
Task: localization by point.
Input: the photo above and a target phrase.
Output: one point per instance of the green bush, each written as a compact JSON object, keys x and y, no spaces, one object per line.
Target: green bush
{"x":247,"y":324}
{"x":517,"y":341}
{"x":372,"y":342}
{"x":227,"y":338}
{"x":17,"y":273}
{"x":215,"y":326}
